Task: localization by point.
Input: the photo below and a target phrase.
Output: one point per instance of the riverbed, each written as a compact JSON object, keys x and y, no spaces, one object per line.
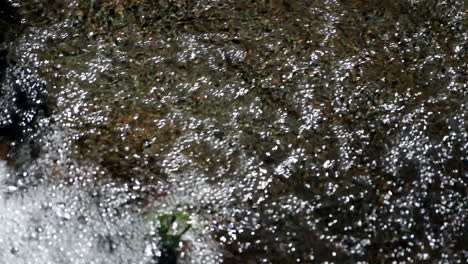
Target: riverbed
{"x":273,"y":131}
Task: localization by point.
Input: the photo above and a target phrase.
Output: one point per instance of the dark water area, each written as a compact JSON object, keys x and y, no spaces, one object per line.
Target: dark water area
{"x":222,"y":131}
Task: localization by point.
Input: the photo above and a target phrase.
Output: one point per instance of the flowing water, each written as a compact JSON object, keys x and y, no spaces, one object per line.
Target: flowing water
{"x":270,"y":131}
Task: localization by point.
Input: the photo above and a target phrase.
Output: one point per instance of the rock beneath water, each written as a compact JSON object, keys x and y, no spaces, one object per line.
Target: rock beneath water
{"x":168,"y":256}
{"x":22,"y":100}
{"x":22,"y":94}
{"x":8,"y":13}
{"x":4,"y":149}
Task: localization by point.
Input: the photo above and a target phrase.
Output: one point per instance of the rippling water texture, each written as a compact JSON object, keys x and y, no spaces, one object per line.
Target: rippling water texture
{"x":314,"y":131}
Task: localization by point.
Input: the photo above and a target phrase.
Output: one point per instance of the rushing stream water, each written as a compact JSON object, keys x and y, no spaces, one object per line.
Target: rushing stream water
{"x":233,"y":131}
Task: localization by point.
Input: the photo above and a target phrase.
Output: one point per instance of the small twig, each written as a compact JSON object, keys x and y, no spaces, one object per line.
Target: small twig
{"x":184,"y":231}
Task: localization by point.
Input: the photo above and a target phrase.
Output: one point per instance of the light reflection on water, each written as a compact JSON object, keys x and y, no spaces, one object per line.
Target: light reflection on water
{"x":304,"y":131}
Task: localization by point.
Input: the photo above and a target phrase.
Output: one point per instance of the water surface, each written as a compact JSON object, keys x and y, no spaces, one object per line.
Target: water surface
{"x":289,"y":131}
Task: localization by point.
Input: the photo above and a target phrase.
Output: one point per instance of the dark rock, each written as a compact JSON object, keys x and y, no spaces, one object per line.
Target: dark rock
{"x":8,"y":13}
{"x":22,"y":96}
{"x":168,"y":256}
{"x":22,"y":100}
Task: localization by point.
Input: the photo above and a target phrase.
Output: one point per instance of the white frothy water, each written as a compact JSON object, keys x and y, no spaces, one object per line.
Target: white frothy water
{"x":85,"y":222}
{"x":58,"y":224}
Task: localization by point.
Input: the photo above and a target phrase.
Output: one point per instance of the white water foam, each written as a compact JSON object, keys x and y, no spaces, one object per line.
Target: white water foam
{"x":63,"y":224}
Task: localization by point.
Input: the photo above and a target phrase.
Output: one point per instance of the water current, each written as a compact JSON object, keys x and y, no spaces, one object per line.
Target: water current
{"x":233,"y":131}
